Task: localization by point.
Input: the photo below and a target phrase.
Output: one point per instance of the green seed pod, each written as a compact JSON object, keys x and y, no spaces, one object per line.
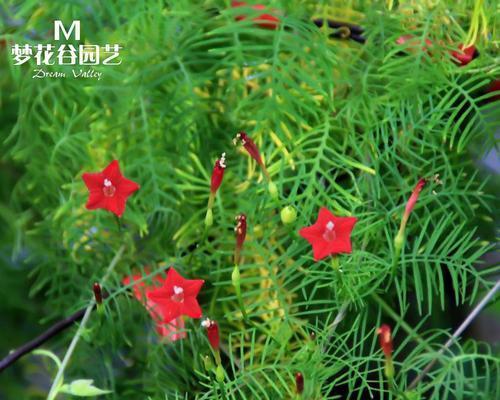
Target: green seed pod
{"x":288,"y":215}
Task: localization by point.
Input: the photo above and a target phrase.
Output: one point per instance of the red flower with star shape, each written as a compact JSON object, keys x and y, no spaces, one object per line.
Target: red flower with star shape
{"x":109,"y":189}
{"x":177,"y":296}
{"x":166,"y":313}
{"x":172,"y":329}
{"x":329,"y":235}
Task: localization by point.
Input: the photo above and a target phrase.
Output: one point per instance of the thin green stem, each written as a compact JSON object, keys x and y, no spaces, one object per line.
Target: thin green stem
{"x":60,"y":373}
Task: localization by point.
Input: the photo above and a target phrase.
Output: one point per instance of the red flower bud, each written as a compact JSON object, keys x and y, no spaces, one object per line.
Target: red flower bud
{"x":212,"y":332}
{"x":465,"y":55}
{"x":252,"y":149}
{"x":241,"y":233}
{"x":218,"y":173}
{"x":385,"y":339}
{"x":97,"y":293}
{"x":249,"y":146}
{"x":299,"y":383}
{"x":414,"y":197}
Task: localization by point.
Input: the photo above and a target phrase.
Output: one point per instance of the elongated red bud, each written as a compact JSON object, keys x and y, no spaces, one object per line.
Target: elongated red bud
{"x":249,"y":146}
{"x":252,"y":149}
{"x":414,"y":197}
{"x":97,"y":293}
{"x":241,"y":232}
{"x":299,"y":383}
{"x":218,"y":173}
{"x":385,"y":339}
{"x":212,"y":333}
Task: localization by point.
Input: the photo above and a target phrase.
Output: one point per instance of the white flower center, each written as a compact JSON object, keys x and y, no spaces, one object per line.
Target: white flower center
{"x":178,"y":290}
{"x":108,"y":188}
{"x":178,"y":295}
{"x":329,"y":233}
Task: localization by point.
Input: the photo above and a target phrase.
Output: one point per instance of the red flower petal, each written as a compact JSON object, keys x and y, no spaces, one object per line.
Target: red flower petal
{"x":94,"y":181}
{"x":95,"y":200}
{"x":192,"y":287}
{"x":112,"y":171}
{"x":173,"y":330}
{"x":191,"y":308}
{"x":127,"y":187}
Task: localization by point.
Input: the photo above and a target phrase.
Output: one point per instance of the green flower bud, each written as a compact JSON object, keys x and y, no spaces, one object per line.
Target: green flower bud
{"x":207,"y":363}
{"x":209,"y":218}
{"x":235,"y":277}
{"x":219,"y":373}
{"x":273,"y":190}
{"x":288,"y":215}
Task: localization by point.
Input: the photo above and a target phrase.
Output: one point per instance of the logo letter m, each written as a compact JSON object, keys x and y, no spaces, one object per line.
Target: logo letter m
{"x":59,"y":27}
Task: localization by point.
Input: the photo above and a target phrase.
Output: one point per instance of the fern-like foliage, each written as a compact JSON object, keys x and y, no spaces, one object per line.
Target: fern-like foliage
{"x":340,"y":125}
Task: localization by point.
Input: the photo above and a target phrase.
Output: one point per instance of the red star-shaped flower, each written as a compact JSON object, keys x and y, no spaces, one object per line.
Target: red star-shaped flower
{"x":177,"y":296}
{"x":109,"y":189}
{"x":172,"y":329}
{"x":329,"y":235}
{"x":167,"y":311}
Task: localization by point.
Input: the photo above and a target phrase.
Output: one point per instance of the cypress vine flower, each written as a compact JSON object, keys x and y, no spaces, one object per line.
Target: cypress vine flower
{"x":168,"y":300}
{"x":299,"y":383}
{"x":329,"y":234}
{"x":241,"y":232}
{"x":253,"y":151}
{"x":215,"y":182}
{"x":109,"y":189}
{"x":177,"y":296}
{"x":385,"y":340}
{"x":266,"y":21}
{"x":399,"y":239}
